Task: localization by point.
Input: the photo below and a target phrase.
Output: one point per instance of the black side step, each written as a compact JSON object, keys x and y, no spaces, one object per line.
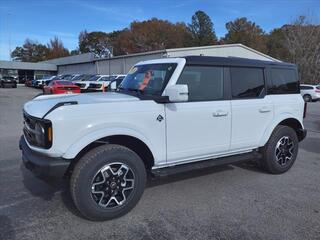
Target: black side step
{"x":161,"y":172}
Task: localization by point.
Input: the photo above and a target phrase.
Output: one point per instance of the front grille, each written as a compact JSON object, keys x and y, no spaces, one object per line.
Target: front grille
{"x":95,"y":85}
{"x":29,"y":129}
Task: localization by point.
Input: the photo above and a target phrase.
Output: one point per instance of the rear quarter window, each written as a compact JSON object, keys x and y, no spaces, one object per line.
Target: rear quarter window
{"x":284,"y":81}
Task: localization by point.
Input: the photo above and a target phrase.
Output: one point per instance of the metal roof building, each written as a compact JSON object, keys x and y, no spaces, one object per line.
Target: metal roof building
{"x":122,"y":64}
{"x":87,"y":63}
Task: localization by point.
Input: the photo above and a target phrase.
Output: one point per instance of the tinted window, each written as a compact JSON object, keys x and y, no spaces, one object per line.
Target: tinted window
{"x":306,"y":88}
{"x":204,"y":83}
{"x":284,"y":81}
{"x":247,"y":82}
{"x":64,"y":82}
{"x":104,"y":79}
{"x":318,"y":87}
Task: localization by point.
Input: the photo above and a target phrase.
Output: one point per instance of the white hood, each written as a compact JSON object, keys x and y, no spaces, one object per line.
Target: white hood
{"x":40,"y":105}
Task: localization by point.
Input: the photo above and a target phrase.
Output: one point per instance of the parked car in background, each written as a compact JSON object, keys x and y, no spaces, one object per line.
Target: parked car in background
{"x":103,"y":83}
{"x":66,"y":77}
{"x":8,"y":81}
{"x":117,"y":81}
{"x":39,"y":83}
{"x":69,"y":77}
{"x":61,"y":87}
{"x":310,"y":92}
{"x":28,"y":83}
{"x":85,"y":84}
{"x":82,"y":77}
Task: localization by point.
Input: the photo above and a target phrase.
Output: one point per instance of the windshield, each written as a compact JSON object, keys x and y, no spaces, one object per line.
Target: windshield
{"x":94,"y":78}
{"x":64,"y":82}
{"x":57,"y":77}
{"x":67,"y":77}
{"x":79,"y":77}
{"x":149,"y":78}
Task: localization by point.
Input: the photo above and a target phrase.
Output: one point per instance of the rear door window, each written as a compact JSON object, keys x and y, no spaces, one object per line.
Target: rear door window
{"x":247,"y":82}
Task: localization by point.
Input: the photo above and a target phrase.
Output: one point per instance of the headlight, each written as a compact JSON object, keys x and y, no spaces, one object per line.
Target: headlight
{"x":38,"y":132}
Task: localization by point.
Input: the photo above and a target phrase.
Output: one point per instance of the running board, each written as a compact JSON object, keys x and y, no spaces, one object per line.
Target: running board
{"x":165,"y":171}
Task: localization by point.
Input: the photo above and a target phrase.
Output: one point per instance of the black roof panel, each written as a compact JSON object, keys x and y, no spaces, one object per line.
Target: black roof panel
{"x":233,"y":61}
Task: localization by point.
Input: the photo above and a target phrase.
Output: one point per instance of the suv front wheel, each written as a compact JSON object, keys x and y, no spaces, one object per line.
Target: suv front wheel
{"x":107,"y":182}
{"x":281,"y":150}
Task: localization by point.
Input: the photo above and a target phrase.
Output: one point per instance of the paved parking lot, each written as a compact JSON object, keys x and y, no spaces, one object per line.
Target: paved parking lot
{"x":231,"y":202}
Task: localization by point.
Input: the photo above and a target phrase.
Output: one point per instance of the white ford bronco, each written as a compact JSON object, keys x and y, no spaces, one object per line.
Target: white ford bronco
{"x":168,"y":115}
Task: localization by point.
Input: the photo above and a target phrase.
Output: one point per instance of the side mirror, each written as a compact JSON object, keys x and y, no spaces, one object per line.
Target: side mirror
{"x":177,"y":93}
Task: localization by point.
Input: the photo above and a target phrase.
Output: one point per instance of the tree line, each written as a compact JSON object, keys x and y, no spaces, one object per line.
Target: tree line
{"x":297,"y":42}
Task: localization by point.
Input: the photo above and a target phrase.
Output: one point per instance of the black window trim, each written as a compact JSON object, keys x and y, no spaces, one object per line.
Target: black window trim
{"x":225,"y":81}
{"x":264,"y":90}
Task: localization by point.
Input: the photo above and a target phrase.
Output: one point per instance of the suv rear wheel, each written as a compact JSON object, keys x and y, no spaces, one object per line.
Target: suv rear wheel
{"x":307,"y":98}
{"x":281,"y":150}
{"x":107,"y":182}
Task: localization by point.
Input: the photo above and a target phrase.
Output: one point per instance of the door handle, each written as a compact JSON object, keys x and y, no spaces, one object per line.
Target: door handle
{"x":219,"y":113}
{"x":265,"y":109}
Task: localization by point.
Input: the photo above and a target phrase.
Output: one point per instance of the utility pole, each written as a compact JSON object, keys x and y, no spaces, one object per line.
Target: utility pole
{"x":9,"y":34}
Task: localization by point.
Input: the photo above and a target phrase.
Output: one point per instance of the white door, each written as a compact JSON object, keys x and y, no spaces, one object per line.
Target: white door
{"x":252,"y":111}
{"x":201,"y":127}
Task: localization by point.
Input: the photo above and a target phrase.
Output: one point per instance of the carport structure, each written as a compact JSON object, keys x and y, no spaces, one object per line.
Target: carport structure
{"x":27,"y":70}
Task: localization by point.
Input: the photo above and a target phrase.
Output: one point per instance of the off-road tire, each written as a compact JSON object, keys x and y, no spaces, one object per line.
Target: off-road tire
{"x":307,"y":98}
{"x":85,"y":171}
{"x":269,"y":161}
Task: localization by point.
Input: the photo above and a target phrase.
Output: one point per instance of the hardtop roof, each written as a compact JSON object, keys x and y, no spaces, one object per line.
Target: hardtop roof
{"x":234,"y":61}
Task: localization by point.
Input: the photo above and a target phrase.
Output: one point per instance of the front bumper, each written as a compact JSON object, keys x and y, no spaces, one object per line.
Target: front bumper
{"x":40,"y":164}
{"x":9,"y":84}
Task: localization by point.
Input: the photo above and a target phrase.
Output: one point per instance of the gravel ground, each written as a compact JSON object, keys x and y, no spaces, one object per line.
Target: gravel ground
{"x":230,"y":202}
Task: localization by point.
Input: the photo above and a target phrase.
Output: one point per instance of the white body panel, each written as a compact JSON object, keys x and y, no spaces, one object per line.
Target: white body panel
{"x":250,"y":118}
{"x":190,"y":131}
{"x":195,"y":129}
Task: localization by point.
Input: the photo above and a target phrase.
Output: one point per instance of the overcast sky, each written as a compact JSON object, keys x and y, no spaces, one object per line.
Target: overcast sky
{"x":42,"y":19}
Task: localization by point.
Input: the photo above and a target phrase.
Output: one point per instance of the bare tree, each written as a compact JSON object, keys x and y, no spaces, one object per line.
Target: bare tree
{"x":303,"y":42}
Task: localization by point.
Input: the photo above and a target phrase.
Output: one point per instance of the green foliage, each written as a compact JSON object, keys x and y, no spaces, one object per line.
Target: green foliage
{"x":246,"y":32}
{"x":201,"y":29}
{"x":31,"y":51}
{"x":95,"y":42}
{"x":276,"y":44}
